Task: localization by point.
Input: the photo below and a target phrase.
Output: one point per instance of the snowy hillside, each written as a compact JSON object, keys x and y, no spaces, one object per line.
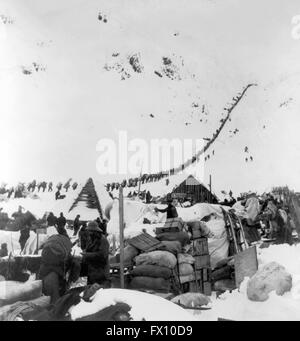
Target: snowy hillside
{"x":73,"y":72}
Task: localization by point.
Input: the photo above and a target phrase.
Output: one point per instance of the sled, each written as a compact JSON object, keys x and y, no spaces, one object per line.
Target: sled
{"x":245,"y":264}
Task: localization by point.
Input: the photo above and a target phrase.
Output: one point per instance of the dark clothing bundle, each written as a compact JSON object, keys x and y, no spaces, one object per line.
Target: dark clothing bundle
{"x":59,"y":311}
{"x":95,"y":260}
{"x":118,"y":312}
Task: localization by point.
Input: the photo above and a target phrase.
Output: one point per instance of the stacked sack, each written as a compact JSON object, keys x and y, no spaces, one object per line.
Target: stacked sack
{"x":153,"y":271}
{"x":129,"y":253}
{"x":185,"y":264}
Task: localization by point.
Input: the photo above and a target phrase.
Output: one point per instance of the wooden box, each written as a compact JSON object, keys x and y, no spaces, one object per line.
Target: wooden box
{"x":196,"y":233}
{"x":144,"y":242}
{"x":202,"y":262}
{"x":207,"y":288}
{"x":200,"y":247}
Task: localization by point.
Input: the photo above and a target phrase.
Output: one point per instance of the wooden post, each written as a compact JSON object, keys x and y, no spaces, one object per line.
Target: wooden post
{"x":139,"y":190}
{"x":121,"y":223}
{"x":140,"y":179}
{"x":37,"y":241}
{"x":210,"y":199}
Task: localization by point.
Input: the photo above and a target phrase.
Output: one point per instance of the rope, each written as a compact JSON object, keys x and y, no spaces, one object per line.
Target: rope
{"x":20,"y":308}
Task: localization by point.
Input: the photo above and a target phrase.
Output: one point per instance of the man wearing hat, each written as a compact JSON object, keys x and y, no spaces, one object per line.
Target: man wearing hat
{"x":95,"y":256}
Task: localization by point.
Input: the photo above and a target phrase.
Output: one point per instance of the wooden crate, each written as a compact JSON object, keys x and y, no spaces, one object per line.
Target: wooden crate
{"x":193,"y":287}
{"x":200,"y":247}
{"x":207,"y":288}
{"x":196,"y":233}
{"x":171,"y":225}
{"x":202,"y":262}
{"x":144,"y":242}
{"x":206,"y":273}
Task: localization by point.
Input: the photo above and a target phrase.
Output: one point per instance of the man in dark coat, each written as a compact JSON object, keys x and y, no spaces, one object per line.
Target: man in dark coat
{"x":95,"y":262}
{"x":55,"y":262}
{"x":24,"y":235}
{"x":51,"y":219}
{"x":76,"y":224}
{"x":23,"y":222}
{"x":57,"y":194}
{"x":61,"y":223}
{"x":170,"y":209}
{"x":83,"y":236}
{"x":148,"y":197}
{"x":3,"y":250}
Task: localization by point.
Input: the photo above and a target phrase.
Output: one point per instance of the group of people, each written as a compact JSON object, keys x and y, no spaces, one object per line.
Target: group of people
{"x":59,"y":267}
{"x":266,"y":217}
{"x":21,"y":189}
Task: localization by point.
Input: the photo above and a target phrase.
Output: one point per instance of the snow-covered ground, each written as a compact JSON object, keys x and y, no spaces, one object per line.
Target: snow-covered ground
{"x":236,"y":305}
{"x":232,"y":306}
{"x":144,"y":306}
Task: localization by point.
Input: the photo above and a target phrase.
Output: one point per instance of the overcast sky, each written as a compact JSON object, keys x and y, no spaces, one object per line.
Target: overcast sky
{"x":51,"y":120}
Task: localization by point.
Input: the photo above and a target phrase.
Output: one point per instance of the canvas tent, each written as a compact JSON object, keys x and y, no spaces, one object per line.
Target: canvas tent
{"x":90,"y":202}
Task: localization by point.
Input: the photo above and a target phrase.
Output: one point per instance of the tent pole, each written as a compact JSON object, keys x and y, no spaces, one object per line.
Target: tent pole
{"x":121,"y":221}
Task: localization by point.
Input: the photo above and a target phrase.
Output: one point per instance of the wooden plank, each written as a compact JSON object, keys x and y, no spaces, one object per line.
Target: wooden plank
{"x":121,"y":222}
{"x":245,"y":264}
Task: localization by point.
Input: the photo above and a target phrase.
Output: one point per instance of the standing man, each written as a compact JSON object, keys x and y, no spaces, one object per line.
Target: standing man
{"x":76,"y":225}
{"x":95,"y":262}
{"x":170,"y":209}
{"x":61,"y":223}
{"x":51,"y":219}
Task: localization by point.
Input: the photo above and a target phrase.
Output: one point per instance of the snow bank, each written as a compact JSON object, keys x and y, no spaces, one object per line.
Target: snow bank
{"x":284,"y":254}
{"x":144,"y":306}
{"x":236,"y":305}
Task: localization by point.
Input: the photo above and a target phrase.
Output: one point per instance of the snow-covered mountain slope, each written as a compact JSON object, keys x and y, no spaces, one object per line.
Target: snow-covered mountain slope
{"x":73,"y":72}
